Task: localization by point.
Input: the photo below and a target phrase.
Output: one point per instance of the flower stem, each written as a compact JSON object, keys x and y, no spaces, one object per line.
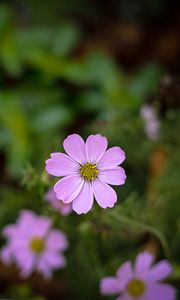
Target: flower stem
{"x":134,"y":223}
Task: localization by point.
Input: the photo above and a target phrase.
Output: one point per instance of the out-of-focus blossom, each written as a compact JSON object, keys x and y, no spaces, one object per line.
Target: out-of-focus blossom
{"x":143,"y":282}
{"x":88,"y":169}
{"x":64,"y":209}
{"x":33,"y":245}
{"x":152,"y":123}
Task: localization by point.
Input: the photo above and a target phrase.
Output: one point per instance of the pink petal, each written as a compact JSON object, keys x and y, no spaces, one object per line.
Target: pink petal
{"x":125,"y":273}
{"x":152,"y":129}
{"x":50,"y":196}
{"x":26,"y":262}
{"x":64,"y":209}
{"x":160,"y":271}
{"x":23,"y":235}
{"x":111,"y":158}
{"x":109,"y":286}
{"x":6,"y":254}
{"x":22,"y":256}
{"x":148,"y":112}
{"x":38,"y":225}
{"x":114,"y":176}
{"x":75,"y":148}
{"x":96,"y":145}
{"x":41,"y":226}
{"x":104,"y":194}
{"x":26,"y":218}
{"x":68,"y":188}
{"x":161,"y":292}
{"x":53,"y":260}
{"x":61,"y":164}
{"x":143,"y":263}
{"x":43,"y":267}
{"x":9,"y":230}
{"x":84,"y":201}
{"x":19,"y":242}
{"x":27,"y":268}
{"x":56,"y":240}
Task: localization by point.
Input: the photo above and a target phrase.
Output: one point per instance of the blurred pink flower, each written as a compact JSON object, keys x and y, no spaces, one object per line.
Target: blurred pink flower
{"x":140,"y":283}
{"x":64,"y":209}
{"x":88,"y":169}
{"x":33,"y":245}
{"x":152,"y":123}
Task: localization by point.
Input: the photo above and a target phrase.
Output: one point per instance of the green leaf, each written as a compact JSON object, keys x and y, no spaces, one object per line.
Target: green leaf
{"x":12,"y":117}
{"x":145,"y":81}
{"x":64,"y":39}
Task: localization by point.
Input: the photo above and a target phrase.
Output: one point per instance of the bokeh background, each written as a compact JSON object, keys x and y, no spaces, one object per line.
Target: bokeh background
{"x":91,"y":66}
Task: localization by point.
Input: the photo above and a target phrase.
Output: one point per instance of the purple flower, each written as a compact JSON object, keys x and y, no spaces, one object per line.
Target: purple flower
{"x":152,"y":124}
{"x":88,"y":169}
{"x":64,"y":209}
{"x":33,"y":245}
{"x":141,"y":283}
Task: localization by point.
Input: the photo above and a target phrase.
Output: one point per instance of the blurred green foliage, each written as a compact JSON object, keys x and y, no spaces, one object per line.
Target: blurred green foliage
{"x":22,"y":291}
{"x":40,"y":103}
{"x":48,"y":89}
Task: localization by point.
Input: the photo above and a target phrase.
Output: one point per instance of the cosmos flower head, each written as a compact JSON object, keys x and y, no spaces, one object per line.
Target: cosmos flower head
{"x":59,"y":205}
{"x":151,"y":122}
{"x":143,"y":282}
{"x":88,"y":169}
{"x":33,"y":245}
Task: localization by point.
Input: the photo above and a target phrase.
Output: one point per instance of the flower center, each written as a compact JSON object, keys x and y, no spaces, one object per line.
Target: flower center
{"x":37,"y":245}
{"x":136,"y":288}
{"x":89,"y":171}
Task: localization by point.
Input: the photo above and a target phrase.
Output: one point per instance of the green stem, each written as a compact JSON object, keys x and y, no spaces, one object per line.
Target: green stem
{"x":149,"y":228}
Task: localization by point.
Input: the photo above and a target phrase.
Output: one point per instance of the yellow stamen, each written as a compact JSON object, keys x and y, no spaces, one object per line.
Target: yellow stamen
{"x":37,"y":245}
{"x":89,"y":171}
{"x":136,"y":288}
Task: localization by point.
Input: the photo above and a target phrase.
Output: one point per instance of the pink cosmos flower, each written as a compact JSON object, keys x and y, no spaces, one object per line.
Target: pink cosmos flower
{"x":151,"y":121}
{"x":141,"y":283}
{"x":64,"y":209}
{"x":33,"y":245}
{"x":87,"y":170}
